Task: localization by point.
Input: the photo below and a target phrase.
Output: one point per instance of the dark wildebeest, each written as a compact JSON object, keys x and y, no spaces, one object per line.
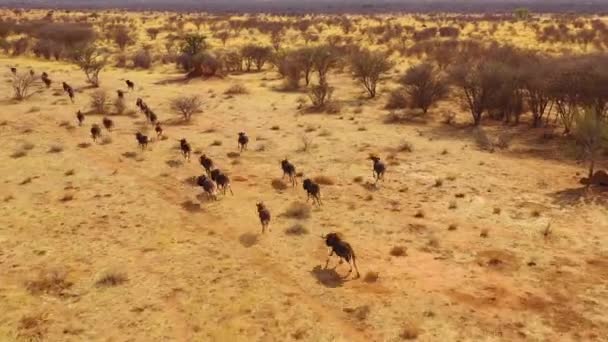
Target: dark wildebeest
{"x":599,"y":178}
{"x":186,"y":149}
{"x":142,"y":140}
{"x":95,"y":132}
{"x":47,"y":82}
{"x":108,"y":124}
{"x":120,"y":93}
{"x":71,"y":94}
{"x":152,"y":117}
{"x":290,"y":170}
{"x":264,"y":215}
{"x":44,"y":75}
{"x":222,"y":181}
{"x":139,"y":103}
{"x":379,"y":168}
{"x":130,"y":84}
{"x":243,"y":141}
{"x":342,"y":249}
{"x":14,"y":70}
{"x":206,"y":163}
{"x":159,"y":130}
{"x":66,"y":87}
{"x":80,"y":118}
{"x":207,"y":185}
{"x":313,"y":190}
{"x":32,"y":73}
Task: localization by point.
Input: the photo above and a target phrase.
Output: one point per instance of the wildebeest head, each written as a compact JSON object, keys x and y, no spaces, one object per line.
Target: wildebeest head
{"x":373,"y":158}
{"x":332,"y":239}
{"x":307,"y":184}
{"x":260,"y":206}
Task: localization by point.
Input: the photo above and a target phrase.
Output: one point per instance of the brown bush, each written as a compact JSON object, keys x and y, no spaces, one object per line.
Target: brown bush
{"x":99,"y":101}
{"x":186,"y":106}
{"x":368,"y":67}
{"x":298,"y":210}
{"x":424,"y":86}
{"x":142,"y":59}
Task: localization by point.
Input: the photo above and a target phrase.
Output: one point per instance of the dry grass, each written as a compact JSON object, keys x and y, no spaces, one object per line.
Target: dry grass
{"x":50,"y":282}
{"x":56,"y":149}
{"x":32,"y":327}
{"x":236,"y":89}
{"x":324,"y":180}
{"x":111,"y":279}
{"x":398,"y":251}
{"x":296,"y":229}
{"x":371,"y":277}
{"x":298,"y":210}
{"x":279,"y":184}
{"x":409,"y":331}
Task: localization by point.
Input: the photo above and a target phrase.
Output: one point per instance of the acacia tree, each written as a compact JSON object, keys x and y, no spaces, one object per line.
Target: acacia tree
{"x":324,"y":58}
{"x":91,"y":60}
{"x":536,"y":86}
{"x":477,"y":85}
{"x":122,"y":36}
{"x":424,"y":86}
{"x":186,"y":106}
{"x":591,"y":135}
{"x":368,"y":67}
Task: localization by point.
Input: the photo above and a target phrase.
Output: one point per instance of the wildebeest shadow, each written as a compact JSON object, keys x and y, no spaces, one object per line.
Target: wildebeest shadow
{"x":248,"y":239}
{"x":192,"y":207}
{"x":580,"y":195}
{"x":327,"y":277}
{"x":174,"y":163}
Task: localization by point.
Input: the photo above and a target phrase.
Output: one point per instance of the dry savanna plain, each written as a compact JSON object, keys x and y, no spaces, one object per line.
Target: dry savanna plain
{"x":477,"y":232}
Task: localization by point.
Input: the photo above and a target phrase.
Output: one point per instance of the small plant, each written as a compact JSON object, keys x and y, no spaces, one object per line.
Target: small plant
{"x":398,"y":251}
{"x":279,"y":184}
{"x":452,"y":227}
{"x":66,"y":198}
{"x":298,"y":210}
{"x":186,"y":106}
{"x":497,"y":211}
{"x":324,"y":180}
{"x":32,"y":327}
{"x":51,"y":282}
{"x":216,"y":143}
{"x":448,"y":118}
{"x":56,"y":149}
{"x":484,"y":233}
{"x":22,"y":84}
{"x":409,"y":332}
{"x":405,"y":146}
{"x":98,"y":101}
{"x":19,"y":154}
{"x":358,"y":179}
{"x":237,"y":89}
{"x":111,"y":279}
{"x":371,"y":277}
{"x":275,"y":128}
{"x":535,"y":213}
{"x":453,"y":205}
{"x":419,"y":214}
{"x":438,"y":182}
{"x":306,"y":143}
{"x":296,"y":229}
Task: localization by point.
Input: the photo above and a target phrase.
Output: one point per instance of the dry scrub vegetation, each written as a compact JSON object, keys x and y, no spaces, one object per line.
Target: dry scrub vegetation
{"x":490,"y":223}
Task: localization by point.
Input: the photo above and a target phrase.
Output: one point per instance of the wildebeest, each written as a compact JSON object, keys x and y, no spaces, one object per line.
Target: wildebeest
{"x":120,"y":93}
{"x":44,"y":75}
{"x":47,"y":82}
{"x":184,"y":146}
{"x":139,"y":103}
{"x":130,"y":84}
{"x":378,"y":168}
{"x":14,"y":70}
{"x":32,"y":73}
{"x":206,"y":163}
{"x":313,"y":190}
{"x":66,"y":87}
{"x":95,"y":132}
{"x":152,"y":117}
{"x":159,"y":130}
{"x":108,"y":124}
{"x":342,"y":249}
{"x":207,"y":185}
{"x":264,"y":215}
{"x":80,"y":118}
{"x":243,"y":141}
{"x":142,"y":140}
{"x":222,"y":180}
{"x":290,"y":170}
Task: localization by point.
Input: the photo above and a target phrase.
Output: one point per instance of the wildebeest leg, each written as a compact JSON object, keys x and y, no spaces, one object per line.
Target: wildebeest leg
{"x":329,"y":256}
{"x":230,"y":188}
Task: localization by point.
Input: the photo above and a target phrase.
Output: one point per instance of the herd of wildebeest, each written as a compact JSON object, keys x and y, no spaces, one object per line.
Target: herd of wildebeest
{"x":214,"y":180}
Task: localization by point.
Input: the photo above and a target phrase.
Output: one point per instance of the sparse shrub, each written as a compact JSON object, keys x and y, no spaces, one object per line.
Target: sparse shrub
{"x":256,"y":55}
{"x":371,"y":277}
{"x":398,"y":251}
{"x":482,"y":139}
{"x":279,"y":184}
{"x":22,"y":84}
{"x":111,"y":279}
{"x":298,"y":210}
{"x":484,"y":233}
{"x":320,"y":95}
{"x":121,"y":35}
{"x":324,"y":180}
{"x":236,"y":89}
{"x":142,"y":59}
{"x":419,"y":214}
{"x":438,"y":182}
{"x":423,"y":86}
{"x":91,"y":60}
{"x":296,"y":229}
{"x":98,"y":101}
{"x":32,"y":327}
{"x":453,"y":205}
{"x":186,"y":106}
{"x":51,"y":282}
{"x":397,"y":99}
{"x":409,"y":332}
{"x":119,"y":105}
{"x":56,"y":149}
{"x":591,"y":136}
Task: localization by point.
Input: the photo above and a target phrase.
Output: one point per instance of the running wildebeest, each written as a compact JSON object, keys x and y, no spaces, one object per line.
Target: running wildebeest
{"x":207,"y":185}
{"x":378,"y":169}
{"x":44,"y":75}
{"x":108,"y":124}
{"x":66,"y":86}
{"x":139,"y":103}
{"x":159,"y":130}
{"x":152,"y":117}
{"x":95,"y":132}
{"x":313,"y":190}
{"x":290,"y":170}
{"x":342,"y":249}
{"x":264,"y":215}
{"x":186,"y":149}
{"x":222,"y":181}
{"x":206,"y":163}
{"x":120,"y":93}
{"x":14,"y":70}
{"x":71,"y":94}
{"x":130,"y":84}
{"x":47,"y":82}
{"x":142,"y":140}
{"x":243,"y":141}
{"x":32,"y":73}
{"x":80,"y":118}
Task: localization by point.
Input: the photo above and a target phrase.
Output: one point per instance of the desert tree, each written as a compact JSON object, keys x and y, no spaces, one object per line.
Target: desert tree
{"x":192,"y":46}
{"x":566,"y":88}
{"x":91,"y":60}
{"x":153,"y":32}
{"x":320,"y":95}
{"x":507,"y":101}
{"x":477,"y":83}
{"x":256,"y":55}
{"x":591,"y":136}
{"x":305,"y":58}
{"x":186,"y":106}
{"x":276,"y":38}
{"x":223,"y":36}
{"x":536,"y":86}
{"x":121,"y":35}
{"x":324,"y":59}
{"x":424,"y":86}
{"x":99,"y":101}
{"x":288,"y":66}
{"x":22,"y":84}
{"x":368,"y":67}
